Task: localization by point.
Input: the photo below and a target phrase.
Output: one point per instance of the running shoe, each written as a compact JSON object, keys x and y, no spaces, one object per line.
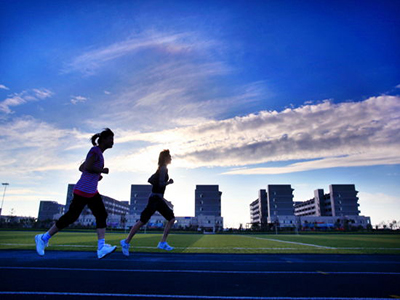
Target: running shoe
{"x":105,"y":250}
{"x":125,"y":247}
{"x":40,"y":244}
{"x":164,"y":246}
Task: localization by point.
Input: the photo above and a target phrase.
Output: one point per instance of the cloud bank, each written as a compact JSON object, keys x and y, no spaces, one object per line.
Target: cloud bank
{"x":30,"y":145}
{"x":326,"y":135}
{"x":318,"y":136}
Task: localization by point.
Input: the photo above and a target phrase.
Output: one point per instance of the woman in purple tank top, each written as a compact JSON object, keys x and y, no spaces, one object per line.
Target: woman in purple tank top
{"x":85,"y":193}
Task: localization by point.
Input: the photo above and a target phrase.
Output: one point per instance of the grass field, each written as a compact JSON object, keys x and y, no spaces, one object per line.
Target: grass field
{"x":198,"y":243}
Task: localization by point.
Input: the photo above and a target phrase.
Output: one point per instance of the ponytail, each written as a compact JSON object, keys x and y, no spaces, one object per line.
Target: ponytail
{"x":104,"y":134}
{"x":94,"y":138}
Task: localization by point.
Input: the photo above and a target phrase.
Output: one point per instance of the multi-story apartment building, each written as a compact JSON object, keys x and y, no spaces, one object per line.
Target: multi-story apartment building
{"x":113,"y":206}
{"x":334,"y":209}
{"x":280,"y":204}
{"x":274,"y":205}
{"x":259,"y":209}
{"x":124,"y":215}
{"x":342,"y":200}
{"x":139,"y":197}
{"x":47,"y":210}
{"x":207,"y":205}
{"x":207,"y":200}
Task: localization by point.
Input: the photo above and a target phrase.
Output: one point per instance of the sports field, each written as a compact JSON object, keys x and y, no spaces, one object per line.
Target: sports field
{"x":218,"y":243}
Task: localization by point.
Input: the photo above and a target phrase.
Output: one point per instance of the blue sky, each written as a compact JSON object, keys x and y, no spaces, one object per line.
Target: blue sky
{"x":243,"y":93}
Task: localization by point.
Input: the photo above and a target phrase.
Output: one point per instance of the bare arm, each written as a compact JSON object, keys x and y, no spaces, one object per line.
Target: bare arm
{"x":162,"y":182}
{"x":88,"y":165}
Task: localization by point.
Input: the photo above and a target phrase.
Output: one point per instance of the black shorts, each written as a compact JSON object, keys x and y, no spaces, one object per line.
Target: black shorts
{"x":156,"y":204}
{"x":78,"y":203}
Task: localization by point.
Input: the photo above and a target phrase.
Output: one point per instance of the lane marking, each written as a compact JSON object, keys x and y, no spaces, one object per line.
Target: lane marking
{"x":296,"y":243}
{"x":178,"y":296}
{"x":323,"y":273}
{"x":194,"y":271}
{"x":224,"y":248}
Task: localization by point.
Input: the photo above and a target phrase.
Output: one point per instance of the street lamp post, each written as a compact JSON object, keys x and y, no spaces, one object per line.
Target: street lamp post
{"x":4,"y":193}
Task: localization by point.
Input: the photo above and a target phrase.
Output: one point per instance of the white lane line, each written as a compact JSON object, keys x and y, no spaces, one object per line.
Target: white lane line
{"x":296,"y":243}
{"x":180,"y":296}
{"x":193,"y":271}
{"x":225,"y":248}
{"x":146,"y":247}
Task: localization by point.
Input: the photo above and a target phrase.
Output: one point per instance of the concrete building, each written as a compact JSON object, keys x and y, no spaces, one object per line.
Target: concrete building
{"x":113,"y":206}
{"x":344,"y":200}
{"x":70,"y":195}
{"x":208,"y":223}
{"x":325,"y":222}
{"x":139,"y":197}
{"x":207,"y":206}
{"x":338,"y":208}
{"x":259,"y":209}
{"x":280,"y":204}
{"x":124,"y":215}
{"x":207,"y":201}
{"x":341,"y":201}
{"x":183,"y":222}
{"x":273,"y":206}
{"x":47,"y":210}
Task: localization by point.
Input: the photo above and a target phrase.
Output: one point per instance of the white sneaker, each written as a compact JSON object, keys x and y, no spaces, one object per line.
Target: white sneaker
{"x":125,"y":248}
{"x":106,"y":250}
{"x":40,"y":244}
{"x":164,"y":246}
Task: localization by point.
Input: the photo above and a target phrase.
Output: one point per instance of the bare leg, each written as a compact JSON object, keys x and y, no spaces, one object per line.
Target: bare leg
{"x":167,"y":230}
{"x":53,"y":230}
{"x":133,"y":231}
{"x":101,"y":233}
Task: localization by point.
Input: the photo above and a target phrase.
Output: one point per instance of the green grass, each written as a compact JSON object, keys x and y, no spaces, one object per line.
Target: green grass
{"x":198,"y":243}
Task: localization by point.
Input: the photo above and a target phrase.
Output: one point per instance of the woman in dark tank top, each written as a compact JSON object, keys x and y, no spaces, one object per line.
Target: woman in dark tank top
{"x":159,"y":181}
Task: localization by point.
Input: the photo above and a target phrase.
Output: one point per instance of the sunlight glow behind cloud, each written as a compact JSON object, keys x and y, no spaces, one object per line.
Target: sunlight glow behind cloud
{"x":332,"y":135}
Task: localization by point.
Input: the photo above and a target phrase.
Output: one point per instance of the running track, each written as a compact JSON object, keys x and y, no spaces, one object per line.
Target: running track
{"x":80,"y":275}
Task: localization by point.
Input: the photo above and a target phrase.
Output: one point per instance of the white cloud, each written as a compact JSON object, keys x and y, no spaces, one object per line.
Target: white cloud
{"x":330,"y":135}
{"x":320,"y":136}
{"x":371,"y":158}
{"x":42,"y":93}
{"x":168,"y":43}
{"x":3,"y":87}
{"x":78,"y":99}
{"x":398,"y":86}
{"x":24,"y":97}
{"x":174,"y":95}
{"x":183,"y":90}
{"x":30,"y":145}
